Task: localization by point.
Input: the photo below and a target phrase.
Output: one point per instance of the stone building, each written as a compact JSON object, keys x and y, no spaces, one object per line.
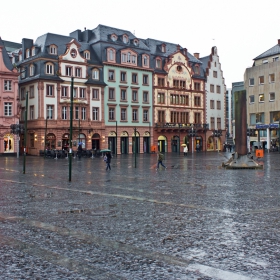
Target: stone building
{"x":9,"y":110}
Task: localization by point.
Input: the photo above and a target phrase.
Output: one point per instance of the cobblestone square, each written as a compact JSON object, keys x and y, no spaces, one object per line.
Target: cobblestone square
{"x":193,"y":220}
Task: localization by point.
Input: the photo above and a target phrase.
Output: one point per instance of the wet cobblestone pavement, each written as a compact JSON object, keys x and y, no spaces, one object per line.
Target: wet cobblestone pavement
{"x":193,"y":220}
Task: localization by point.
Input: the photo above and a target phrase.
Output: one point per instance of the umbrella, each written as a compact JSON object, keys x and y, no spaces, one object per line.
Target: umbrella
{"x":105,"y":150}
{"x":184,"y":145}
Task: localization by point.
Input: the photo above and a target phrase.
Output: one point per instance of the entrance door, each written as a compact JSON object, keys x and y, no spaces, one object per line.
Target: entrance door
{"x":161,"y":146}
{"x":175,"y":144}
{"x":146,"y":144}
{"x":112,"y":144}
{"x":124,"y":145}
{"x":135,"y":145}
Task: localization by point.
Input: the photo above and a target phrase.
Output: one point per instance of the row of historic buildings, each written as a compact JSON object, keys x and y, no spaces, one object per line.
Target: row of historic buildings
{"x":129,"y":94}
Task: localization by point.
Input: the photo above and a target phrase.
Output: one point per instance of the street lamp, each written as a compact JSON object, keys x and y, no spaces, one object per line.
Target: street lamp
{"x":135,"y":146}
{"x":71,"y":128}
{"x":46,"y":127}
{"x":17,"y":129}
{"x":25,"y":131}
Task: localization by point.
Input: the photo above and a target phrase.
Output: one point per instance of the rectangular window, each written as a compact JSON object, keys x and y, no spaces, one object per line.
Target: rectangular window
{"x":272,"y":78}
{"x":133,"y":59}
{"x":135,"y":114}
{"x":95,"y":74}
{"x":123,"y":57}
{"x":212,"y":123}
{"x":31,"y":91}
{"x":64,"y":91}
{"x":95,"y":93}
{"x":272,"y":96}
{"x":251,"y":82}
{"x":158,"y":63}
{"x":8,"y":109}
{"x":196,"y":86}
{"x":123,"y":76}
{"x":197,"y":118}
{"x":76,"y":112}
{"x":275,"y":58}
{"x":64,"y":113}
{"x":111,"y":75}
{"x":22,"y":94}
{"x":174,"y":99}
{"x":261,"y":97}
{"x":111,"y":114}
{"x":184,"y":117}
{"x":7,"y":85}
{"x":197,"y":101}
{"x":123,"y":94}
{"x":174,"y":117}
{"x":68,"y":71}
{"x":32,"y":140}
{"x":161,"y":98}
{"x":261,"y":80}
{"x":75,"y":92}
{"x":251,"y":99}
{"x":161,"y":82}
{"x":212,"y":104}
{"x":82,"y":92}
{"x":95,"y":114}
{"x":111,"y":93}
{"x":78,"y":72}
{"x":260,"y":118}
{"x":179,"y":84}
{"x":161,"y":116}
{"x":145,"y":115}
{"x":31,"y":113}
{"x":219,"y":126}
{"x":83,"y":113}
{"x":123,"y":114}
{"x":145,"y":79}
{"x":135,"y":95}
{"x":218,"y":104}
{"x":50,"y":90}
{"x":211,"y":88}
{"x":145,"y":96}
{"x":134,"y":78}
{"x":218,"y":89}
{"x":50,"y":110}
{"x":215,"y":74}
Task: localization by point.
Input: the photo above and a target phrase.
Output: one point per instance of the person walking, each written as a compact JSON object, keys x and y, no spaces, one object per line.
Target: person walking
{"x":108,"y":160}
{"x":186,"y":150}
{"x":160,"y":159}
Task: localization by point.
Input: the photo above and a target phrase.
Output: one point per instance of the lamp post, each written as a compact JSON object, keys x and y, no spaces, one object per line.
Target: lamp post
{"x":71,"y":129}
{"x":205,"y":128}
{"x":25,"y":131}
{"x":180,"y":125}
{"x":17,"y":129}
{"x":79,"y":132}
{"x":46,"y":127}
{"x":135,"y":146}
{"x":116,"y":138}
{"x":192,"y":134}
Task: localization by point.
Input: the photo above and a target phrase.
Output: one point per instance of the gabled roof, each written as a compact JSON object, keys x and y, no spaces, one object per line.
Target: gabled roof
{"x":273,"y":51}
{"x":6,"y":58}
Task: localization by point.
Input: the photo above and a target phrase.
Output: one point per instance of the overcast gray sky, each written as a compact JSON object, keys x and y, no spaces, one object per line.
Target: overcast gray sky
{"x":241,"y":29}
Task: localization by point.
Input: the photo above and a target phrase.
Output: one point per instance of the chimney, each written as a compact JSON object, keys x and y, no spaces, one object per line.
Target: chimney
{"x":278,"y":41}
{"x":196,"y":55}
{"x":178,"y":47}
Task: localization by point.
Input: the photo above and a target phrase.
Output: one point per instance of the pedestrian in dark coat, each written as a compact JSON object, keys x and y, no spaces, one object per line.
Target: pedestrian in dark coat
{"x":108,"y":160}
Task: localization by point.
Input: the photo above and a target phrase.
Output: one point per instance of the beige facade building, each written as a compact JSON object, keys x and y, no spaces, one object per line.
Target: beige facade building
{"x":262,"y":84}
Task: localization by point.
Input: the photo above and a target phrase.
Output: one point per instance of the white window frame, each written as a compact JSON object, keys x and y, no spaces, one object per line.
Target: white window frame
{"x":95,"y":113}
{"x":251,"y":82}
{"x":251,"y":99}
{"x":64,"y":112}
{"x":83,"y":113}
{"x":82,"y":92}
{"x":135,"y":115}
{"x":50,"y":110}
{"x":8,"y":109}
{"x":7,"y":85}
{"x":270,"y":95}
{"x":95,"y":74}
{"x":123,"y":114}
{"x":49,"y":69}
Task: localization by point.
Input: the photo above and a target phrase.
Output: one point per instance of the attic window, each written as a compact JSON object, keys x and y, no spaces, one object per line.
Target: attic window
{"x":53,"y":49}
{"x":135,"y":42}
{"x":163,"y":48}
{"x":114,"y":38}
{"x":86,"y":55}
{"x":125,"y":39}
{"x":196,"y":69}
{"x":33,"y":51}
{"x":73,"y":53}
{"x":179,"y":68}
{"x":27,"y":53}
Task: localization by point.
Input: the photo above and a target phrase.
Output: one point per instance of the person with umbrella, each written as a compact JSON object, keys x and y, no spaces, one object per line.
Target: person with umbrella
{"x":108,"y":160}
{"x":185,"y":150}
{"x":80,"y":150}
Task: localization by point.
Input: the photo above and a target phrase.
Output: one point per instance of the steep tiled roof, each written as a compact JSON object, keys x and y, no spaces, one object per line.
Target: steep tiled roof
{"x":6,"y":57}
{"x":273,"y":51}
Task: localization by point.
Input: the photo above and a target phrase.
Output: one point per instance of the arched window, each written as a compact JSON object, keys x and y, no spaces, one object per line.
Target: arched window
{"x":49,"y":68}
{"x":111,"y":55}
{"x":31,"y":70}
{"x":86,"y":55}
{"x":145,"y":61}
{"x":125,"y":39}
{"x":27,"y":53}
{"x":53,"y":49}
{"x":158,"y":63}
{"x":128,"y":57}
{"x":95,"y":74}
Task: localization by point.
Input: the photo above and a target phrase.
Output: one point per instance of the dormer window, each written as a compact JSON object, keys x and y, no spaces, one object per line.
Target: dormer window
{"x":27,"y":53}
{"x":163,"y":48}
{"x":125,"y":39}
{"x":20,"y":56}
{"x":145,"y":61}
{"x":111,"y":55}
{"x":53,"y":49}
{"x":86,"y":55}
{"x":135,"y":42}
{"x":158,"y":63}
{"x":33,"y":51}
{"x":196,"y":69}
{"x":73,"y":53}
{"x":114,"y":37}
{"x":31,"y":70}
{"x":95,"y":74}
{"x":128,"y":57}
{"x":49,"y":68}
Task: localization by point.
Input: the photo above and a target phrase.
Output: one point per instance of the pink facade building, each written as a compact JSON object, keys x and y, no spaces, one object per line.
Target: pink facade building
{"x":9,"y":110}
